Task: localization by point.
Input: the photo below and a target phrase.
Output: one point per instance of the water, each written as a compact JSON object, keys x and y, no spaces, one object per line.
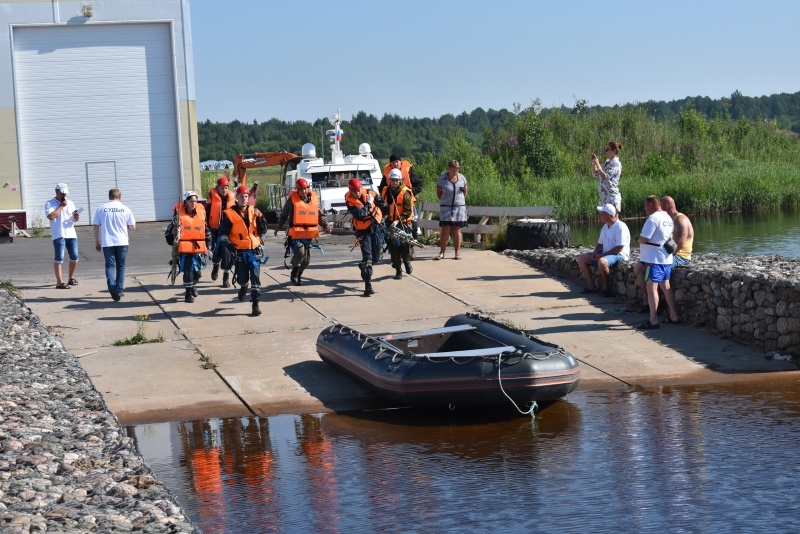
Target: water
{"x":689,"y":459}
{"x":767,"y":233}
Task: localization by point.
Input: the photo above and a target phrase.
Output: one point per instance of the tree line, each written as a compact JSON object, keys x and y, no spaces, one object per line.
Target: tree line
{"x":413,"y":137}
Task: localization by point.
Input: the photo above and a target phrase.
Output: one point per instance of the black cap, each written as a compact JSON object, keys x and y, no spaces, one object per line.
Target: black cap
{"x":393,"y":157}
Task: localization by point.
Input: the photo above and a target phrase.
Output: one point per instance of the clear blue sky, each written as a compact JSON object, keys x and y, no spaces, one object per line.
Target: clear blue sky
{"x":262,"y":59}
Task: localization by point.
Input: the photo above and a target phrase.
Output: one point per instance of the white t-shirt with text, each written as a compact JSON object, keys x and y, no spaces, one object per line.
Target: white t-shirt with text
{"x":657,"y":230}
{"x":113,"y":217}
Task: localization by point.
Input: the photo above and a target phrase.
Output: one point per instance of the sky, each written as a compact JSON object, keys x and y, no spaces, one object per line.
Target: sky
{"x":263,"y":59}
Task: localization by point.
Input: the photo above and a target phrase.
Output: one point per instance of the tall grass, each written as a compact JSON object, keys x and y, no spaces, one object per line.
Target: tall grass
{"x":707,"y":165}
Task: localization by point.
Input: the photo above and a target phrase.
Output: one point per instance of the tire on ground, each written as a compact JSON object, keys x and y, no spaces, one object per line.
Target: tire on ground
{"x":529,"y":234}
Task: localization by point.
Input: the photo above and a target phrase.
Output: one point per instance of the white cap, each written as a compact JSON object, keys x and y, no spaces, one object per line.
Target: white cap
{"x":608,"y":208}
{"x":395,"y":174}
{"x":63,"y":188}
{"x":188,"y":194}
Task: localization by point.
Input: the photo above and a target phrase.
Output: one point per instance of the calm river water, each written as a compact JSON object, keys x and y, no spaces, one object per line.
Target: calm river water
{"x":702,"y":459}
{"x":699,"y":459}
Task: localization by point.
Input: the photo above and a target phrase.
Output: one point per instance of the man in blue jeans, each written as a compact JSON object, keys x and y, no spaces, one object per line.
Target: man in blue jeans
{"x":614,"y":245}
{"x":61,"y":213}
{"x":111,"y":223}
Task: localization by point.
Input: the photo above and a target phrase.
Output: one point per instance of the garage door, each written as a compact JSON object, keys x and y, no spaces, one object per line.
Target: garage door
{"x":96,"y":109}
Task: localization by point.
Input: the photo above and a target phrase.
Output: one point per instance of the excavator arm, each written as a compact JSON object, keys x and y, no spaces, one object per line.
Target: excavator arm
{"x":242,"y":162}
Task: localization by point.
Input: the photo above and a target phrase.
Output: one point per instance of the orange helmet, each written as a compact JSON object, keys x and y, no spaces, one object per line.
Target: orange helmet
{"x":354,"y":185}
{"x":301,"y":183}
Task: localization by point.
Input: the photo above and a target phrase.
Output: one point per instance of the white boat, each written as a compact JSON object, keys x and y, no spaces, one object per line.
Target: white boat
{"x":329,"y":179}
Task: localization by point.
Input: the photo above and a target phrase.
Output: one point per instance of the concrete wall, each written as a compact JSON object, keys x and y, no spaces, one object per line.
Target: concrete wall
{"x":753,"y":299}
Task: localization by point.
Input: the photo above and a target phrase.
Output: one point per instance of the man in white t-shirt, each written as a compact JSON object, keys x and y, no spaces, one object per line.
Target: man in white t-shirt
{"x":613,"y":246}
{"x":62,"y":215}
{"x":656,"y":260}
{"x":111,"y":222}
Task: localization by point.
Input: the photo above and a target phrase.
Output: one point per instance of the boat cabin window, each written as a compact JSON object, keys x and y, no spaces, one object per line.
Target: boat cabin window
{"x":339,"y":179}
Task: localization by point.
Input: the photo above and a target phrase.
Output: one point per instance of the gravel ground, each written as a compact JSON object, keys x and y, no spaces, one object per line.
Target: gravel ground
{"x":65,"y":462}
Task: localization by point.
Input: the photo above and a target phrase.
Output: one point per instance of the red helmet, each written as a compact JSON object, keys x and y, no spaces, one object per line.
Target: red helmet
{"x":222,"y":181}
{"x":301,"y":183}
{"x":354,"y":185}
{"x":242,"y":189}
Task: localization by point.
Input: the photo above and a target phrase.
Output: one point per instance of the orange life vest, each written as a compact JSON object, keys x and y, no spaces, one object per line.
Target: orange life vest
{"x":305,"y":218}
{"x":405,"y":169}
{"x":243,"y":237}
{"x":215,"y":209}
{"x":396,"y":207}
{"x":193,"y":231}
{"x":359,"y":202}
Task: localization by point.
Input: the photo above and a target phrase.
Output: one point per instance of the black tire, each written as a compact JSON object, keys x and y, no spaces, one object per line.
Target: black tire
{"x":530,"y":235}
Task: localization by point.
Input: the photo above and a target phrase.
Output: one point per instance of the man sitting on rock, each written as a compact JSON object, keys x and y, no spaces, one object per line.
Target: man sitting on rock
{"x":614,"y":245}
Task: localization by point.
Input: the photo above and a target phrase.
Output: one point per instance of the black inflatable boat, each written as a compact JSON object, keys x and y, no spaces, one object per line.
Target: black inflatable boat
{"x":472,"y":360}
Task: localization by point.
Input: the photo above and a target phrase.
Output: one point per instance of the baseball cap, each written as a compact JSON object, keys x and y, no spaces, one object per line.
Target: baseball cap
{"x":608,"y":208}
{"x":394,"y":157}
{"x":189,"y":194}
{"x":242,"y":189}
{"x":63,"y":188}
{"x":395,"y":174}
{"x":222,"y":181}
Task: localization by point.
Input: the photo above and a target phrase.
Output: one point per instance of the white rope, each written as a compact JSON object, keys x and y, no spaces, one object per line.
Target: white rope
{"x":500,"y":381}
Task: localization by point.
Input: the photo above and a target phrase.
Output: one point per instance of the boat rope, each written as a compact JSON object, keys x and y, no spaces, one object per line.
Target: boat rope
{"x":500,"y":381}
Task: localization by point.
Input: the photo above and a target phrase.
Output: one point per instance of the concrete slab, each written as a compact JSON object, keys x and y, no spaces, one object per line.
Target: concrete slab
{"x":159,"y":382}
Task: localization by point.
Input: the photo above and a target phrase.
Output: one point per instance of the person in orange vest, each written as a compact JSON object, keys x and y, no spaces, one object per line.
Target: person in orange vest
{"x":219,"y":199}
{"x":400,"y":206}
{"x":194,"y":242}
{"x":240,"y":235}
{"x":365,"y":207}
{"x":410,"y":179}
{"x":304,"y":217}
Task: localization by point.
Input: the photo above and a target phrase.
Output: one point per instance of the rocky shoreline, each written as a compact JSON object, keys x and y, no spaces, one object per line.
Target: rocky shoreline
{"x":66,"y":464}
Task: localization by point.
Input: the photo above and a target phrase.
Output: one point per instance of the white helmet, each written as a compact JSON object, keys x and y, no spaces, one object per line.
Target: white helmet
{"x":395,"y":174}
{"x":189,"y":194}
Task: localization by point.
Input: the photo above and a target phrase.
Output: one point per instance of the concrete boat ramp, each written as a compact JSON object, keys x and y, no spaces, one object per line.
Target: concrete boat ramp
{"x":268,"y":365}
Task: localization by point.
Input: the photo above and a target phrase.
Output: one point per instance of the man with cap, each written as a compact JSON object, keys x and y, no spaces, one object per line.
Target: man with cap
{"x":219,"y":199}
{"x":240,"y":234}
{"x":62,"y":216}
{"x":195,"y":241}
{"x":304,"y":217}
{"x":111,"y":223}
{"x":365,"y":207}
{"x":400,"y":212}
{"x":613,"y":246}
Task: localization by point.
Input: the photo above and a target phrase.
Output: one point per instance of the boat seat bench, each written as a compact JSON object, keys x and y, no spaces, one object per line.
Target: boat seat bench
{"x":429,"y":332}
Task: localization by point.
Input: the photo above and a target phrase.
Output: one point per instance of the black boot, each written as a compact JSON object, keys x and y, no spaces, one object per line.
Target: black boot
{"x":407,"y":263}
{"x":215,"y":271}
{"x":299,"y":274}
{"x":194,"y":291}
{"x":226,"y":279}
{"x":368,"y":289}
{"x":256,"y":309}
{"x":242,"y":292}
{"x":189,"y":297}
{"x":294,"y":276}
{"x":398,"y":274}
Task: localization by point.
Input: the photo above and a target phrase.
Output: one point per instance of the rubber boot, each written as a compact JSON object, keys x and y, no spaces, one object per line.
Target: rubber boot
{"x":194,"y":291}
{"x":398,"y":274}
{"x":215,"y":271}
{"x":189,"y":297}
{"x":295,"y":275}
{"x":299,"y":274}
{"x":407,"y":263}
{"x":368,"y":289}
{"x":256,"y":309}
{"x":242,"y":293}
{"x":226,"y":279}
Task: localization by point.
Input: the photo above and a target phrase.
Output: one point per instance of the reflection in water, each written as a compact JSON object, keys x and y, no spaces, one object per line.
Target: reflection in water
{"x":659,"y":460}
{"x":764,"y":233}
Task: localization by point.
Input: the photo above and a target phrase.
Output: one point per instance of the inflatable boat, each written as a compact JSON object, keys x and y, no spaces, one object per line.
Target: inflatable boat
{"x":472,"y":360}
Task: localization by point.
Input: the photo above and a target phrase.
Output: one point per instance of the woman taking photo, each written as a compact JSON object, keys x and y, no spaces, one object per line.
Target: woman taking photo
{"x":608,"y":175}
{"x":452,"y":192}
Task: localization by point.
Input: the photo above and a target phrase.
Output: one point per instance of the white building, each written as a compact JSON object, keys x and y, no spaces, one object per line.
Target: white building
{"x":99,"y":95}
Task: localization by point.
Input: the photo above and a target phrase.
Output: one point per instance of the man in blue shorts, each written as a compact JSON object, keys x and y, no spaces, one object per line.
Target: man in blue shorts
{"x":614,"y":245}
{"x":656,"y":260}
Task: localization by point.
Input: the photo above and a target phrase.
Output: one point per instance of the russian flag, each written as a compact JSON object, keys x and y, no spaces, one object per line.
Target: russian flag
{"x":339,"y":134}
